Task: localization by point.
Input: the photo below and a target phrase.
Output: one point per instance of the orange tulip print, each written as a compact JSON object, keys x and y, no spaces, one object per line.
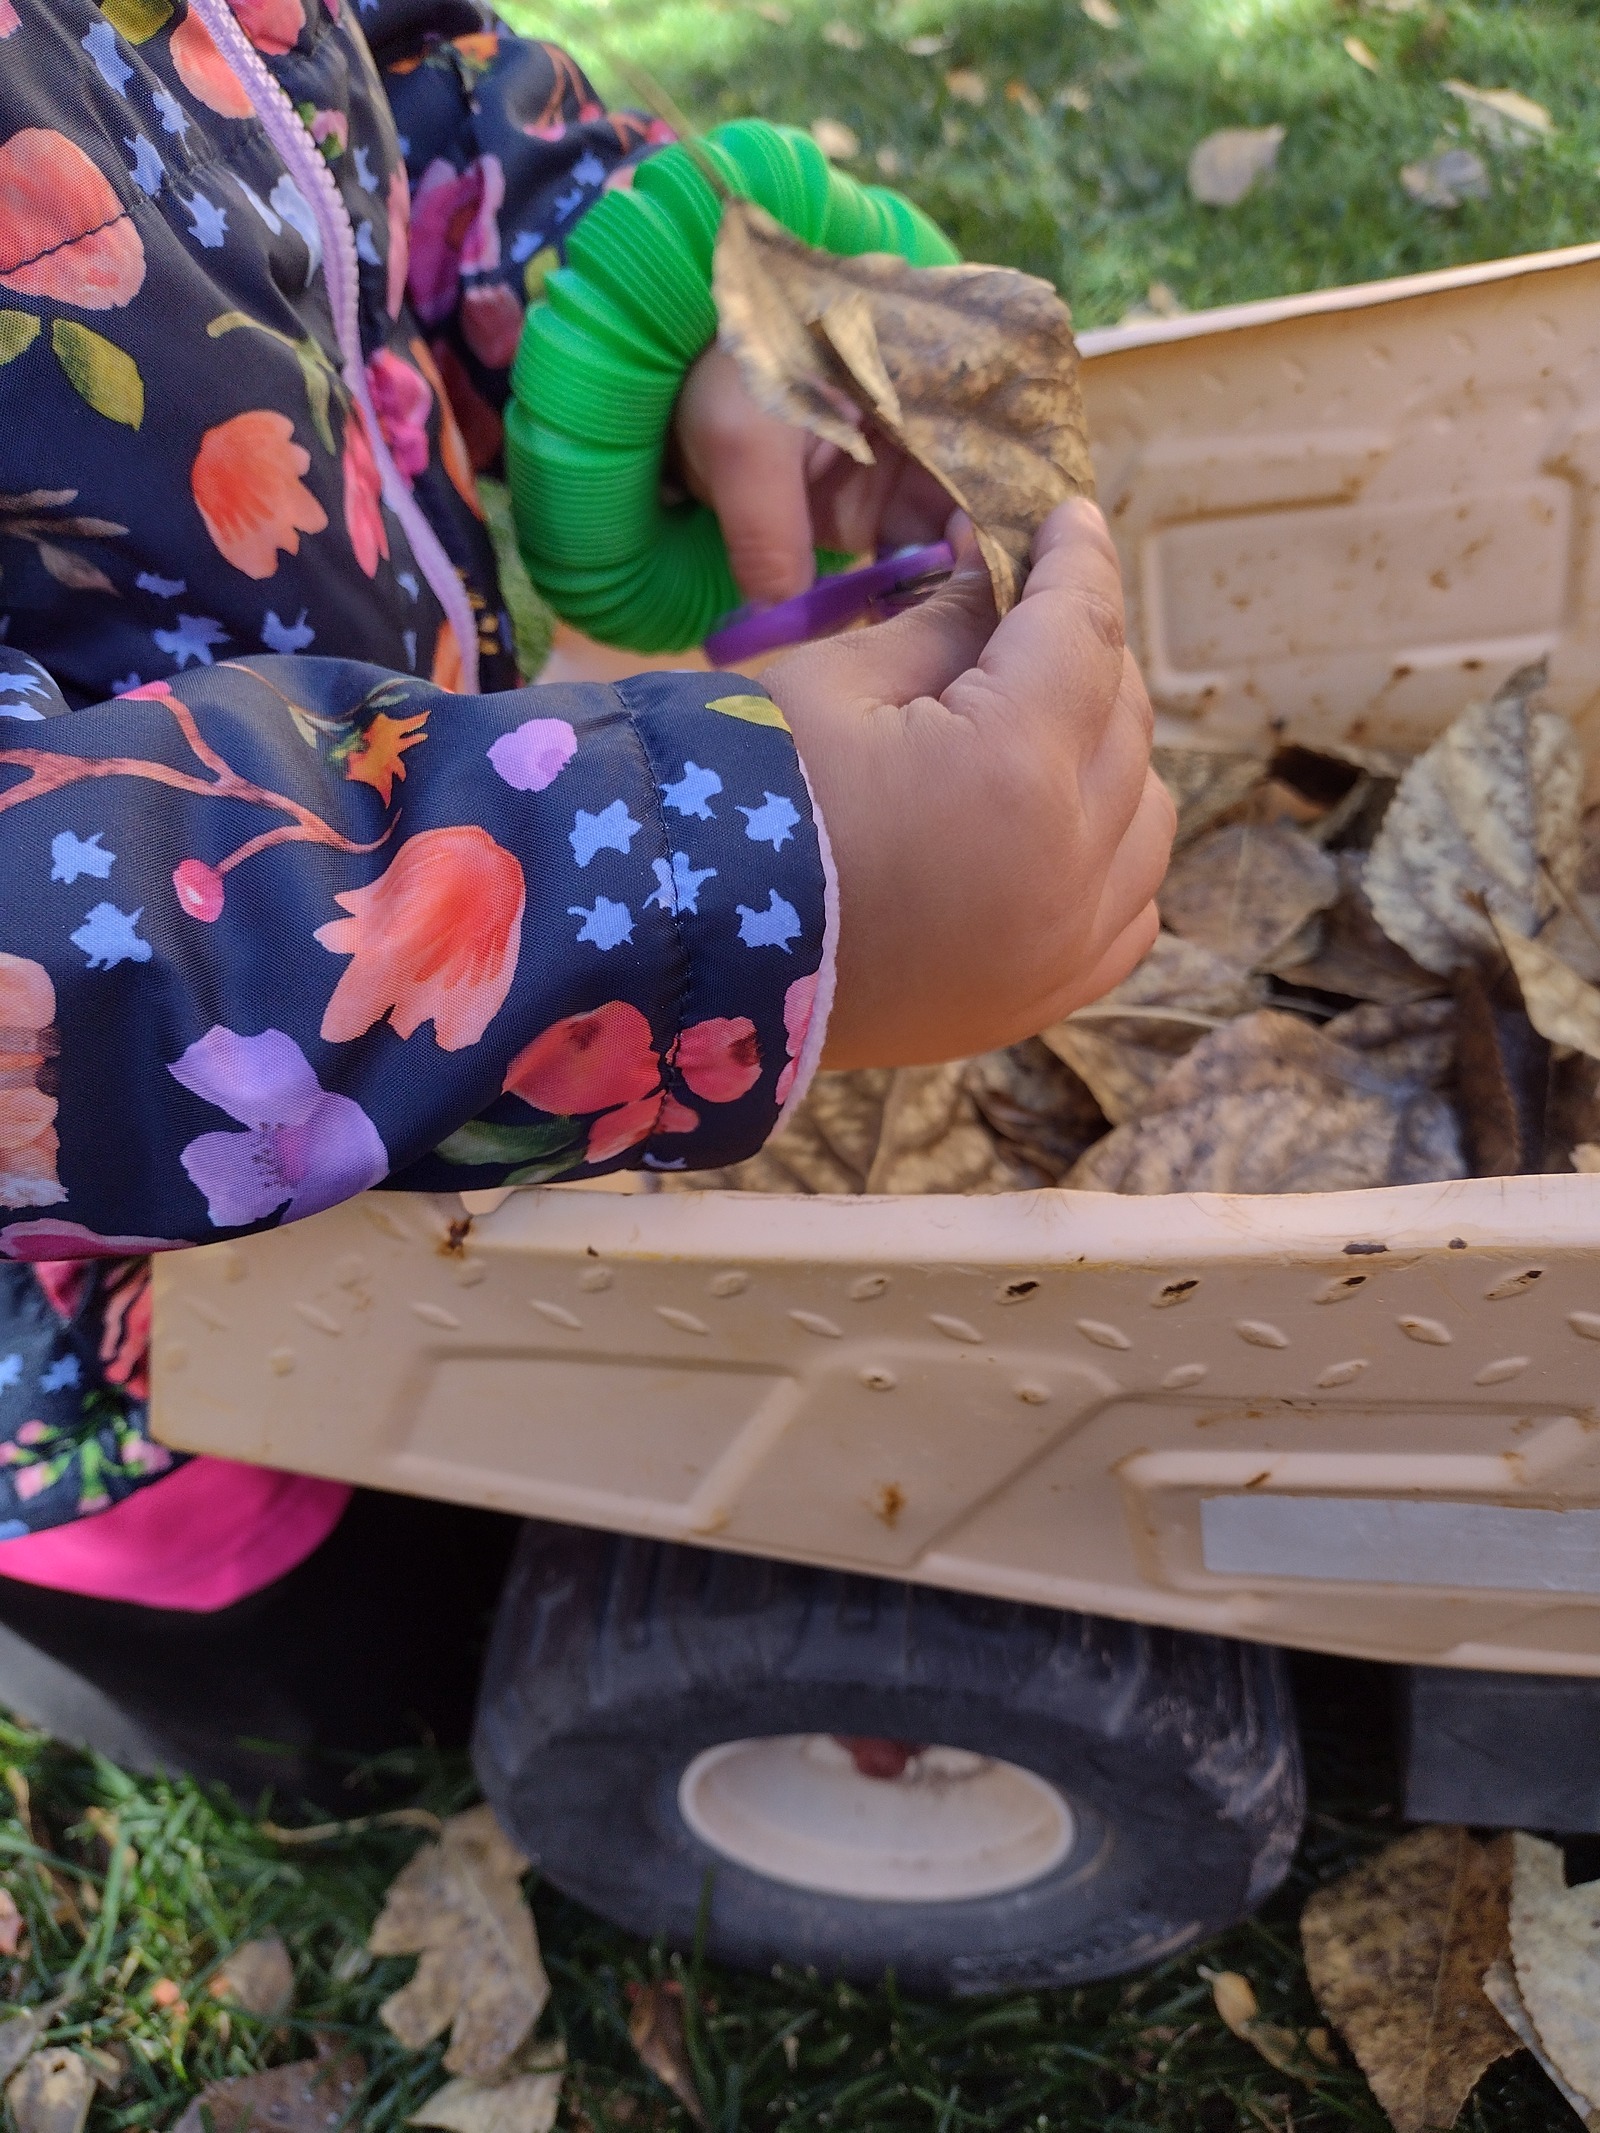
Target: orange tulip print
{"x":435,"y":938}
{"x":588,"y":1062}
{"x":65,"y":234}
{"x":247,"y":486}
{"x":28,"y":1145}
{"x":205,"y":73}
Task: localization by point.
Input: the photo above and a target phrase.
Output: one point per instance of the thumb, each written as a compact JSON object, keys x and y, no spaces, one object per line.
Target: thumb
{"x":921,"y":652}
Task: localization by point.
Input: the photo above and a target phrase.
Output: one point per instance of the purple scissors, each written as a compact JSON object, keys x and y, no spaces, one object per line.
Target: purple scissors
{"x":877,"y":589}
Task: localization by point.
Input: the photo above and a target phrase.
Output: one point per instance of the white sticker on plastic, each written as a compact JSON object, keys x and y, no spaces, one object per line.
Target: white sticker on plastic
{"x":1375,"y":1540}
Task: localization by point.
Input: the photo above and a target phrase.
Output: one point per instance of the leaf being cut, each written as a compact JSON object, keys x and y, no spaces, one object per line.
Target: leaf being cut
{"x":1396,"y":1952}
{"x":1555,"y":1952}
{"x":1269,"y":1104}
{"x":1123,"y":1044}
{"x":310,"y":2096}
{"x":971,"y":370}
{"x":1246,"y":890}
{"x":1487,"y":819}
{"x":458,"y":1904}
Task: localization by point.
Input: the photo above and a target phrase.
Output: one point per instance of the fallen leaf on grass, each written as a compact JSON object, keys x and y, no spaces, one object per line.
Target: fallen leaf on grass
{"x":1500,"y":1990}
{"x":1487,"y":819}
{"x":1362,"y":53}
{"x":929,"y":45}
{"x":259,"y":1977}
{"x":1269,"y":1104}
{"x":971,"y":370}
{"x":1503,"y":117}
{"x":1205,"y":784}
{"x":12,"y":1924}
{"x":458,"y":1905}
{"x":1123,"y":1044}
{"x":1102,"y":13}
{"x":52,"y":2092}
{"x":1246,"y":890}
{"x":1229,"y":164}
{"x":1445,"y":180}
{"x":967,"y":85}
{"x":844,"y":36}
{"x":1555,"y":1953}
{"x":839,"y":143}
{"x":1306,"y":2058}
{"x":309,"y":2096}
{"x":19,"y":2033}
{"x":1395,"y":1953}
{"x":655,"y":2028}
{"x":525,"y":2101}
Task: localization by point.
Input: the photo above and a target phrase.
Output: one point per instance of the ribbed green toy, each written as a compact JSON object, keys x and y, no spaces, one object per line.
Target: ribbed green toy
{"x":603,"y":356}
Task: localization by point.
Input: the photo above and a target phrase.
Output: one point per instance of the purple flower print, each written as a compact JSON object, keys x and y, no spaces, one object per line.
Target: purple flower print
{"x":402,"y":399}
{"x":301,"y":1145}
{"x":535,"y":754}
{"x":455,"y":230}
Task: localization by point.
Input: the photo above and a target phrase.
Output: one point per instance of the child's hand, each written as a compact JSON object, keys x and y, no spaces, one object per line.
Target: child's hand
{"x":998,"y":833}
{"x":779,"y":492}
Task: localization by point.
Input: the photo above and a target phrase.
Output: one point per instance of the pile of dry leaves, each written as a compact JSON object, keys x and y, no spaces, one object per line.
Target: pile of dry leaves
{"x":1434,"y":1960}
{"x":1370,"y":972}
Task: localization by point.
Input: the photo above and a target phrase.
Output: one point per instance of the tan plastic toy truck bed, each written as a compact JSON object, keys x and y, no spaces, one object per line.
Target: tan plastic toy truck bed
{"x":1365,"y":1422}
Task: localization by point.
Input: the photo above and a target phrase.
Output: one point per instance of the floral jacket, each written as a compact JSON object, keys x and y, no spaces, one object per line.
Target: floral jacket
{"x":301,"y":893}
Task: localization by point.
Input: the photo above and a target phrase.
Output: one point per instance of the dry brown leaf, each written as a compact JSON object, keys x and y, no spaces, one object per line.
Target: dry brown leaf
{"x":1505,"y":118}
{"x":933,"y":1140}
{"x":12,"y":1924}
{"x":1395,"y":1952}
{"x":1230,"y":163}
{"x":458,"y":1905}
{"x":1487,"y":818}
{"x":1351,"y":953}
{"x":844,"y":36}
{"x":311,"y":2096}
{"x":1502,"y":1080}
{"x":967,"y":85}
{"x":655,"y":2027}
{"x":259,"y":1977}
{"x":1234,"y":1998}
{"x":827,"y":1146}
{"x":1269,"y":1104}
{"x":525,"y":2101}
{"x":52,"y":2092}
{"x":1205,"y":784}
{"x":1041,"y":1112}
{"x":19,"y":2033}
{"x":1445,"y":180}
{"x":972,"y":370}
{"x":1123,"y":1044}
{"x":1245,"y":890}
{"x":839,"y":143}
{"x":1555,"y":1953}
{"x":1560,"y":1005}
{"x":1362,"y":53}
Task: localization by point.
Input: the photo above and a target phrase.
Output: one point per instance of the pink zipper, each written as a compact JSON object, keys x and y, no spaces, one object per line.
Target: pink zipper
{"x":305,"y":163}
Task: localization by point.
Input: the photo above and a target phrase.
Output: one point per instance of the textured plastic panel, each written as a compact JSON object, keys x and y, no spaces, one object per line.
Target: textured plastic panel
{"x":1339,"y":515}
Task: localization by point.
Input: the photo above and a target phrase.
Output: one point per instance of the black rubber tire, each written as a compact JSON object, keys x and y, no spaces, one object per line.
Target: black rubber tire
{"x":614,"y":1662}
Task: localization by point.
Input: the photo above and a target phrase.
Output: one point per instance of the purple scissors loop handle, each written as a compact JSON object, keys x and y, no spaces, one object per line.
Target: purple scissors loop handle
{"x":830,"y":605}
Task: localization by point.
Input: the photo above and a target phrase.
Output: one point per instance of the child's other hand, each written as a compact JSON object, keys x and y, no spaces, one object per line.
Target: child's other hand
{"x":998,"y":833}
{"x":779,"y":492}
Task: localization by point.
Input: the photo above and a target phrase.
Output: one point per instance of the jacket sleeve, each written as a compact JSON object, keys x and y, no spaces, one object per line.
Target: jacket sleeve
{"x":282,"y":930}
{"x":506,"y":145}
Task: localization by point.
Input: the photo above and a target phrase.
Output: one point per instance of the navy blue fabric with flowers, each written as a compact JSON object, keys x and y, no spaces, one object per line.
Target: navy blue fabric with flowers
{"x":303,"y":895}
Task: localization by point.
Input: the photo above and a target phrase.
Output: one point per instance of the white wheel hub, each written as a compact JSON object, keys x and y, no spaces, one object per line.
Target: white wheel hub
{"x":800,"y":1808}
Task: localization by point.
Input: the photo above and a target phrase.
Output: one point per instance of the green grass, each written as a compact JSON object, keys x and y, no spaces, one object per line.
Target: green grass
{"x":1095,"y":199}
{"x":796,"y":2052}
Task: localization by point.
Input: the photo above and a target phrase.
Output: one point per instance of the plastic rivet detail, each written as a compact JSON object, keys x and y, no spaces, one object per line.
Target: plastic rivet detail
{"x":174,"y":1357}
{"x":383,"y":1217}
{"x":1427,"y":1330}
{"x":1260,"y":1334}
{"x":1338,"y":1374}
{"x":470,"y":1272}
{"x":1103,"y":1336}
{"x":1031,"y":1395}
{"x":1184,"y":1374}
{"x":208,"y":1314}
{"x":685,"y":1321}
{"x":595,"y":1278}
{"x":877,"y":1379}
{"x":1586,"y":1324}
{"x":866,"y":1287}
{"x":232,"y":1262}
{"x":732,"y":1283}
{"x":351,"y":1270}
{"x":436,"y":1315}
{"x":953,"y":1329}
{"x":1509,"y":1366}
{"x":557,"y":1314}
{"x":314,"y":1315}
{"x":281,"y":1361}
{"x":1513,"y":1284}
{"x":1341,"y":1286}
{"x":814,"y":1322}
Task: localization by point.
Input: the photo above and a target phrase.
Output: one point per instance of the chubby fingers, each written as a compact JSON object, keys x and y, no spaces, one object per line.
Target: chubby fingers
{"x":751,"y":469}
